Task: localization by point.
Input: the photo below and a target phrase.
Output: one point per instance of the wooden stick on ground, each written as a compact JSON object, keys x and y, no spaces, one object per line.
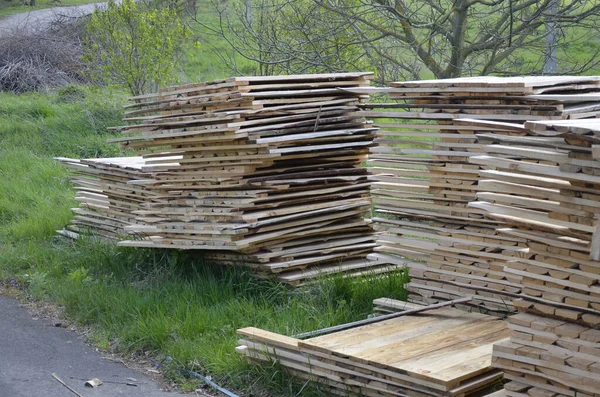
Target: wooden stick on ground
{"x":377,"y":319}
{"x":65,"y":385}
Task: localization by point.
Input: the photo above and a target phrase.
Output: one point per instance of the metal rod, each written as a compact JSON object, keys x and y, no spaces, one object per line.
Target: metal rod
{"x":377,"y":319}
{"x":209,"y":382}
{"x":67,"y":386}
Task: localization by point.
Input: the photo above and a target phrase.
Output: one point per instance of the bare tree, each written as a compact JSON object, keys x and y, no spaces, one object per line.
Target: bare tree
{"x":416,"y":38}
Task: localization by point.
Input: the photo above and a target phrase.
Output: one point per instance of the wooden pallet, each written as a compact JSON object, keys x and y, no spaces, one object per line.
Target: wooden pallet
{"x":444,"y":352}
{"x":107,"y":202}
{"x":543,"y":187}
{"x":548,"y":195}
{"x":553,"y":356}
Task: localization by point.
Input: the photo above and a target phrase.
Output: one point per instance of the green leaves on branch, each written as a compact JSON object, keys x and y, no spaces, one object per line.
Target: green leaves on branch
{"x":134,"y":45}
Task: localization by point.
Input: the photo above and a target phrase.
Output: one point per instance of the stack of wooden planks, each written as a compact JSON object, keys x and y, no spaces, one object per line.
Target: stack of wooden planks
{"x":260,"y":171}
{"x":443,"y":352}
{"x":549,"y":357}
{"x":107,"y":200}
{"x":425,"y":181}
{"x":549,"y":194}
{"x":545,"y":188}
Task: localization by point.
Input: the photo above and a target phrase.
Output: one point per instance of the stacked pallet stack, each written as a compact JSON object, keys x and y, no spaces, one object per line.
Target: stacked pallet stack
{"x":549,"y":357}
{"x":549,"y":194}
{"x":425,"y":180}
{"x":443,"y":352}
{"x":267,"y":173}
{"x":546,"y":188}
{"x":107,"y":201}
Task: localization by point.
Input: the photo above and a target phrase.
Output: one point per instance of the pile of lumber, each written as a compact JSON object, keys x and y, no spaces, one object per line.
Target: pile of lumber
{"x":425,"y":180}
{"x":549,"y":357}
{"x":545,"y":188}
{"x":260,"y":171}
{"x":107,"y":200}
{"x":549,"y":194}
{"x":442,"y":352}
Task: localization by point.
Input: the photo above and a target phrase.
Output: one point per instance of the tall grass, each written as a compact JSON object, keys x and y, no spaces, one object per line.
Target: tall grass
{"x":168,"y":304}
{"x":35,"y":195}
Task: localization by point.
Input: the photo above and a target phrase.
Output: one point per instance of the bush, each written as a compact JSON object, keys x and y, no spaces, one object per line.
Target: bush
{"x":133,"y":44}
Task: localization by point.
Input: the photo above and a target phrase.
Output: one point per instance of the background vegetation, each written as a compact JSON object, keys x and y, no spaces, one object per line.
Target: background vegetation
{"x":134,"y":45}
{"x":168,"y":306}
{"x":413,"y":39}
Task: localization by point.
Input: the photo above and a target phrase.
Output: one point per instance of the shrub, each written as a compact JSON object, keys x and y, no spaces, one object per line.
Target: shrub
{"x":134,"y":44}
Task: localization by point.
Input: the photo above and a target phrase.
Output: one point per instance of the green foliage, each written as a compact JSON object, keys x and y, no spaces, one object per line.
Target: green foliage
{"x":133,"y":44}
{"x":35,"y":197}
{"x":411,"y":40}
{"x":210,"y":57}
{"x":284,"y":37}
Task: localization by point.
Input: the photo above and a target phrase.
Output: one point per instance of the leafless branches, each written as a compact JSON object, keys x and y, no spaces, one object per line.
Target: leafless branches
{"x":33,"y":58}
{"x":408,"y":39}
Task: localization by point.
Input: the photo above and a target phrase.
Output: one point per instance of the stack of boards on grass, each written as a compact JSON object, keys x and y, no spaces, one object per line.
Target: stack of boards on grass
{"x":107,"y":200}
{"x":425,"y":180}
{"x":442,"y":352}
{"x":545,"y":188}
{"x":260,"y":171}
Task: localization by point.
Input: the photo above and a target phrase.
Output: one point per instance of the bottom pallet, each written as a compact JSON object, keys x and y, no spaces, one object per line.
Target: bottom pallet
{"x":443,"y":352}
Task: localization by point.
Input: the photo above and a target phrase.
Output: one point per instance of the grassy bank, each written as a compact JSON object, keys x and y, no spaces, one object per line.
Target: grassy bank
{"x":9,"y":7}
{"x":140,"y":302}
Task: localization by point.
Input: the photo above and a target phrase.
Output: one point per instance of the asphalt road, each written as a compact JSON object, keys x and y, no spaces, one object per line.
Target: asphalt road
{"x":39,"y":19}
{"x":30,"y":351}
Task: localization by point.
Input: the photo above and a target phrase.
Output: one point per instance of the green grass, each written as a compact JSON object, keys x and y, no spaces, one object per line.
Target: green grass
{"x":36,"y":193}
{"x":208,"y":56}
{"x":139,"y":302}
{"x":166,"y":304}
{"x":9,"y":7}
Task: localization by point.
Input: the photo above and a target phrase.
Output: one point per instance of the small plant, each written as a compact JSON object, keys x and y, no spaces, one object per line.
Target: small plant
{"x":134,"y":45}
{"x":79,"y":275}
{"x":38,"y":282}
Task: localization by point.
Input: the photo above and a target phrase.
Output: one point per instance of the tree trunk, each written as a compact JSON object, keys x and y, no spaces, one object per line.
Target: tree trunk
{"x":249,"y":12}
{"x":459,"y":26}
{"x":551,"y":39}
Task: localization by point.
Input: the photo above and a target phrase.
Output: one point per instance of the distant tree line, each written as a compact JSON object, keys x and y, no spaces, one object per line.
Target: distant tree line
{"x":138,"y":44}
